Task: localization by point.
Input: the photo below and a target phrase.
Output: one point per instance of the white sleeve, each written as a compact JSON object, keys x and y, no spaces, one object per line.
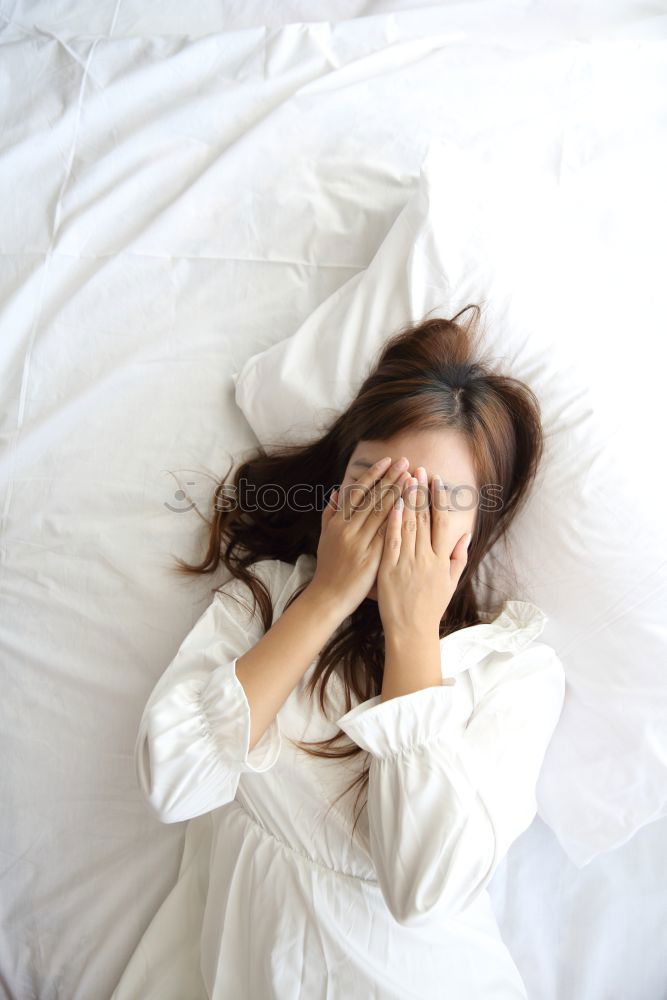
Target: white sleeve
{"x":445,"y":805}
{"x":194,"y":733}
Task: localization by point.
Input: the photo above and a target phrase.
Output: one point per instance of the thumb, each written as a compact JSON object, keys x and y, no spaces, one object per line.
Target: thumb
{"x":459,"y":556}
{"x":330,"y":508}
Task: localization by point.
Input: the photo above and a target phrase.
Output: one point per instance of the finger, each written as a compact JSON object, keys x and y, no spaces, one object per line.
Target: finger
{"x":440,"y":518}
{"x":422,"y":513}
{"x":392,"y":538}
{"x":409,"y":524}
{"x":371,"y":518}
{"x":355,"y":494}
{"x":459,"y":559}
{"x":330,"y":509}
{"x":384,"y":499}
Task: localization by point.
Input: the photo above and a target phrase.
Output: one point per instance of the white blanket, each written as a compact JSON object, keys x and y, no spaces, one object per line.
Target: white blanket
{"x":179,"y":192}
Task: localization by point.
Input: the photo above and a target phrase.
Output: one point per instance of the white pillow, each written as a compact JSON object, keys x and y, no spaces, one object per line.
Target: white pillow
{"x":488,"y":233}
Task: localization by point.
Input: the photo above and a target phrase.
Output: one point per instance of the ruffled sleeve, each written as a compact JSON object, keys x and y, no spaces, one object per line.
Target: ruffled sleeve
{"x":194,"y":734}
{"x":446,"y":803}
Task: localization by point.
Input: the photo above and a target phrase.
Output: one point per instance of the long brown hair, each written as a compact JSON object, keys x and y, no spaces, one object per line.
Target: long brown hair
{"x":428,"y":375}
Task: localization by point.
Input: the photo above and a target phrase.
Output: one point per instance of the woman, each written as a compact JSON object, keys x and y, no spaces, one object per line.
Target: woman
{"x":439,"y":713}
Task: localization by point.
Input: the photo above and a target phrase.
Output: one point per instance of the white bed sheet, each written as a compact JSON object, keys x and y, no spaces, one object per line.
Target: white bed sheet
{"x":179,"y":193}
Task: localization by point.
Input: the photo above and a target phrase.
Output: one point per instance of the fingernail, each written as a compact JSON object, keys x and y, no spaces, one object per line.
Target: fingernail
{"x":469,"y":541}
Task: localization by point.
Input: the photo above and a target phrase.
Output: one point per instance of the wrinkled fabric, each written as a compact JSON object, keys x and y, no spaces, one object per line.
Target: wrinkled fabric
{"x":298,"y":908}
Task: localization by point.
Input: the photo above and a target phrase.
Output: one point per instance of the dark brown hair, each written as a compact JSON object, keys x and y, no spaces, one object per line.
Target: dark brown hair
{"x":428,"y":375}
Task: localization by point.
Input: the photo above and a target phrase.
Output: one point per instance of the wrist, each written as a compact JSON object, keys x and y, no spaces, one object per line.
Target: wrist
{"x":412,"y":661}
{"x":324,"y":603}
{"x":414,"y":633}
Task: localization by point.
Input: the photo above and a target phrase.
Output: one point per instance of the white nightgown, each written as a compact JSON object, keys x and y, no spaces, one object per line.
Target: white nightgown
{"x":277,"y":902}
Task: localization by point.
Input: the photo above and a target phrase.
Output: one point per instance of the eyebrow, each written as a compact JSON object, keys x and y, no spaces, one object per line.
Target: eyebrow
{"x":367,"y":465}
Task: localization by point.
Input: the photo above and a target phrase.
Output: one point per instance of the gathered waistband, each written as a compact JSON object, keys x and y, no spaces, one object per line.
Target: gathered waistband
{"x":299,"y":853}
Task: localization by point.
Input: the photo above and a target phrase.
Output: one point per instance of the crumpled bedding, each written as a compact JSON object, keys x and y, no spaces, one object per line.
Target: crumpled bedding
{"x":179,"y":194}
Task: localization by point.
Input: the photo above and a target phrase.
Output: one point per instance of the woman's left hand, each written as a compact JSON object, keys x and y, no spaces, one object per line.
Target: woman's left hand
{"x":421,"y":562}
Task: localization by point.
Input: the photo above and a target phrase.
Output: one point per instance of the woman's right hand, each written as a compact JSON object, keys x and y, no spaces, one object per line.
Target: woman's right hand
{"x":352,"y":535}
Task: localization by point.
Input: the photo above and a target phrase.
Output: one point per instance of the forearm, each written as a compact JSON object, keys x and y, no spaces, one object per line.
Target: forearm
{"x":411,"y":662}
{"x":272,"y":668}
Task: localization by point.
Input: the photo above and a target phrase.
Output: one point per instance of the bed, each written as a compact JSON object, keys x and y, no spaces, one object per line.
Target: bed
{"x":182,"y":192}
